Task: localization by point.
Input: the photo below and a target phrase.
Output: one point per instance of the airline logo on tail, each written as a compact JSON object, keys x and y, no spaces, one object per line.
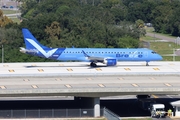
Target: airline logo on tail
{"x":40,"y":49}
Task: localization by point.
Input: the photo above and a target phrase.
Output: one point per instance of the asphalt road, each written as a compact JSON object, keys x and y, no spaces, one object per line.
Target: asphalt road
{"x":162,"y":37}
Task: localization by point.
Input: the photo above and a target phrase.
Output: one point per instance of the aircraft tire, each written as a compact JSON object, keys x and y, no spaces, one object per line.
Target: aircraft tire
{"x":93,"y":64}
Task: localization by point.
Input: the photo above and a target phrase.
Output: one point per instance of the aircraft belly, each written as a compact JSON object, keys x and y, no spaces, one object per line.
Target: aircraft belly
{"x":132,"y":59}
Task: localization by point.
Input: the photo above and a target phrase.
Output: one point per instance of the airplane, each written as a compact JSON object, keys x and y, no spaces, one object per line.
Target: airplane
{"x":107,"y":56}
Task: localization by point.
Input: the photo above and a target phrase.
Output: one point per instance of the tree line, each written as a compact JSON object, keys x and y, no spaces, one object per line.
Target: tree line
{"x":87,"y":23}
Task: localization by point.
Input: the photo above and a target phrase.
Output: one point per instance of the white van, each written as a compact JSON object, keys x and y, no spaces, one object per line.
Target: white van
{"x":157,"y":110}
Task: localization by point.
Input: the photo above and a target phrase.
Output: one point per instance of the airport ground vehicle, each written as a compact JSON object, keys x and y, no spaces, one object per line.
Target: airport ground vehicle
{"x":157,"y":110}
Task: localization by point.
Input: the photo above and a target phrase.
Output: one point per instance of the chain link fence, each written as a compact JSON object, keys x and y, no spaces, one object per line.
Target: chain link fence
{"x":57,"y":113}
{"x":48,"y":113}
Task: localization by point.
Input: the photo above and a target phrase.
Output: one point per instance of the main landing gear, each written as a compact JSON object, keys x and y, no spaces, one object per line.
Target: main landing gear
{"x":93,"y":64}
{"x":147,"y":64}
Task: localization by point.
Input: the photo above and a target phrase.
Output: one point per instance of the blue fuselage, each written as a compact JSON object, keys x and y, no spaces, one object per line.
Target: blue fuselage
{"x":108,"y":56}
{"x":65,"y":54}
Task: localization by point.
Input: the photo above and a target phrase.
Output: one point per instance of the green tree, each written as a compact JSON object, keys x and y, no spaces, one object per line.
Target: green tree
{"x":128,"y":42}
{"x":140,"y":26}
{"x":139,"y":9}
{"x":161,"y":15}
{"x":174,"y":24}
{"x":4,"y":20}
{"x":53,"y":32}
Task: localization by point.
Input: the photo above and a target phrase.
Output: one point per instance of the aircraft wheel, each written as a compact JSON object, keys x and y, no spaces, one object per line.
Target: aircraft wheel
{"x":93,"y":64}
{"x":147,"y":64}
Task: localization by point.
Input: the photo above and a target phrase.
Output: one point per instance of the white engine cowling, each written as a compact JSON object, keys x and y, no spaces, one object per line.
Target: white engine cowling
{"x":110,"y":62}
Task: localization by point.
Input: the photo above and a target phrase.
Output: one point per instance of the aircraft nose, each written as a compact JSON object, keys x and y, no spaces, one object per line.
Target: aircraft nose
{"x":160,"y":57}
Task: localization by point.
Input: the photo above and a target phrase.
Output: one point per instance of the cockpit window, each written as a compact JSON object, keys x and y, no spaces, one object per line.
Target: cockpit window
{"x":153,"y":52}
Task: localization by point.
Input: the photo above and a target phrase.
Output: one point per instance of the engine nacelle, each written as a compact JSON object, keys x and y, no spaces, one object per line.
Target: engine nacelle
{"x":110,"y":62}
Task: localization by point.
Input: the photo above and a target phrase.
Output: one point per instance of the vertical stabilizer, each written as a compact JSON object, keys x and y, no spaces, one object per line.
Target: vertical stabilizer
{"x":30,"y":40}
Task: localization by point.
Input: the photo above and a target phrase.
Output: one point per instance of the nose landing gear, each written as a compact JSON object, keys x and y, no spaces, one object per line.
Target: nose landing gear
{"x":147,"y":64}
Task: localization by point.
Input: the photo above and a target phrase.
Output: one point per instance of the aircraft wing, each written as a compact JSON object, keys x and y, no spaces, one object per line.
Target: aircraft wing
{"x":93,"y":58}
{"x":105,"y":60}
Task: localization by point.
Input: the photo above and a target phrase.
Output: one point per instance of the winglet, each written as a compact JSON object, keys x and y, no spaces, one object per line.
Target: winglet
{"x":85,"y":54}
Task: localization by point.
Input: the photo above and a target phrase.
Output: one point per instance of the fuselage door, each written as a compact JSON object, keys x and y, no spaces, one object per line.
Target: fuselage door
{"x":145,"y":54}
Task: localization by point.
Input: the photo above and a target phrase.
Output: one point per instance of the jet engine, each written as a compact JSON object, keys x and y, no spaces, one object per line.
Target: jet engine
{"x":110,"y":62}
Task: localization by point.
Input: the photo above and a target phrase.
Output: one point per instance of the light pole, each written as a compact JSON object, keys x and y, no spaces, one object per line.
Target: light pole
{"x":178,"y":39}
{"x":174,"y":54}
{"x":173,"y":50}
{"x":2,"y":54}
{"x":154,"y":37}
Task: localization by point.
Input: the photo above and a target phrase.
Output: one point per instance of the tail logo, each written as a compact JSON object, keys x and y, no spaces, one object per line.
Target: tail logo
{"x":40,"y":49}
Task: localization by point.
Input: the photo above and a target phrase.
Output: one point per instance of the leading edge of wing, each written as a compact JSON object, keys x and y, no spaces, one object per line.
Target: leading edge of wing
{"x":93,"y":58}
